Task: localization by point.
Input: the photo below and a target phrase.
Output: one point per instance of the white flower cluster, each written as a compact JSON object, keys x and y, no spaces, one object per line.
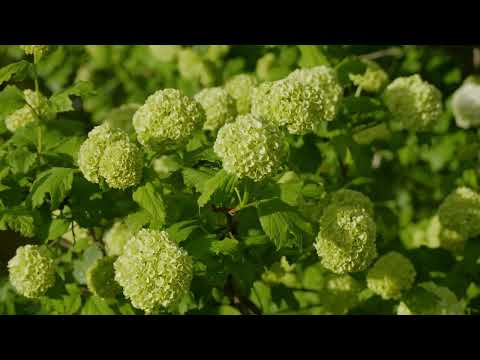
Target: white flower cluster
{"x":219,"y":107}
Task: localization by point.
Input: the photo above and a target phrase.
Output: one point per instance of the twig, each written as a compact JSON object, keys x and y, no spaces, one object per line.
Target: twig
{"x":393,"y":51}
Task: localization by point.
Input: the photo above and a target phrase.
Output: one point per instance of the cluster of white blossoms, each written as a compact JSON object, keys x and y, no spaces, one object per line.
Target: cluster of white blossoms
{"x":444,"y":237}
{"x":240,"y":88}
{"x":116,"y":237}
{"x":341,"y":294}
{"x":460,"y":212}
{"x":219,"y":107}
{"x":109,"y":154}
{"x":31,"y":271}
{"x":466,"y":104}
{"x":36,"y":108}
{"x":414,"y":104}
{"x":167,"y":116}
{"x":429,"y":298}
{"x":100,"y":278}
{"x":153,"y":270}
{"x":250,"y":147}
{"x":391,"y":275}
{"x":346,"y":242}
{"x":372,"y":80}
{"x":301,"y":101}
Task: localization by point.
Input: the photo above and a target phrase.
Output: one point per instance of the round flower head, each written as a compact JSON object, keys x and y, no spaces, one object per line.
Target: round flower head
{"x":167,"y":116}
{"x":165,"y":53}
{"x":192,"y":67}
{"x":414,"y":104}
{"x":466,"y":105}
{"x":392,"y":274}
{"x":32,"y":273}
{"x":36,"y":50}
{"x":240,"y":88}
{"x":460,"y":212}
{"x":116,"y":237}
{"x":300,"y":101}
{"x":25,"y":115}
{"x":250,"y":147}
{"x":352,"y":198}
{"x":219,"y":107}
{"x":346,"y":241}
{"x":153,"y":270}
{"x":448,"y":239}
{"x":340,"y":294}
{"x":429,"y":298}
{"x":372,"y":80}
{"x":109,"y":154}
{"x":100,"y":278}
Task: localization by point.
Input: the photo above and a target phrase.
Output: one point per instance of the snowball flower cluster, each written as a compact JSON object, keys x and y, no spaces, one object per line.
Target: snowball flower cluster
{"x":341,"y":293}
{"x":191,"y":66}
{"x":116,"y":237}
{"x":414,"y":104}
{"x":429,"y":298}
{"x":372,"y":80}
{"x":219,"y":107}
{"x":26,"y":115}
{"x":240,"y":88}
{"x":250,"y":147}
{"x":167,"y":116}
{"x":100,"y":278}
{"x":109,"y":154}
{"x":35,"y":50}
{"x":448,"y":239}
{"x":346,"y":240}
{"x":460,"y":212}
{"x":352,"y":198}
{"x":466,"y":105}
{"x":153,"y":270}
{"x":31,"y":272}
{"x":391,"y":275}
{"x":301,"y":101}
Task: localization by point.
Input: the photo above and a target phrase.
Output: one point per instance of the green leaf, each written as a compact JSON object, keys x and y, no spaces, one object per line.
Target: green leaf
{"x":21,"y":160}
{"x":15,"y":71}
{"x":311,"y":56}
{"x":282,"y":223}
{"x":150,"y":199}
{"x":11,"y":99}
{"x":57,"y":228}
{"x":19,"y":219}
{"x":228,"y":310}
{"x":196,"y":178}
{"x":180,"y":231}
{"x":96,"y":306}
{"x":227,"y":247}
{"x":135,"y":221}
{"x":218,"y":189}
{"x":61,"y":102}
{"x":57,"y":182}
{"x":350,"y":65}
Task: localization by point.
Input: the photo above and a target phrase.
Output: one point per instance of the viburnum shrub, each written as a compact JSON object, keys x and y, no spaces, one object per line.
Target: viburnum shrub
{"x":235,"y":179}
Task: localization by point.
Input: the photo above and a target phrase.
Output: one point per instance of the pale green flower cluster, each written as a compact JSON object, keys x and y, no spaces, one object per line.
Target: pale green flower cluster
{"x":219,"y":107}
{"x":191,"y":66}
{"x":116,"y":237}
{"x":301,"y":101}
{"x":466,"y":105}
{"x":391,"y":275}
{"x":429,"y":298}
{"x":250,"y":147}
{"x":165,"y":53}
{"x":26,"y":115}
{"x":352,"y":198}
{"x":372,"y":80}
{"x":460,"y":212}
{"x":109,"y":154}
{"x":100,"y":278}
{"x":341,"y":294}
{"x":448,"y":239}
{"x":36,"y":50}
{"x":414,"y":104}
{"x":240,"y":88}
{"x":31,"y":272}
{"x":167,"y":116}
{"x":153,"y":270}
{"x":346,"y":240}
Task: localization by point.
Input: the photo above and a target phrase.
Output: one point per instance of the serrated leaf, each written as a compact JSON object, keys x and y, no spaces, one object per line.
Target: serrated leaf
{"x":150,"y":199}
{"x":96,"y":306}
{"x":180,"y":231}
{"x":17,"y":71}
{"x":311,"y":56}
{"x":61,"y":102}
{"x":21,"y":160}
{"x":282,"y":223}
{"x":227,"y":247}
{"x":57,"y":228}
{"x":57,"y":182}
{"x":218,"y":189}
{"x":135,"y":221}
{"x":196,"y":178}
{"x":11,"y":99}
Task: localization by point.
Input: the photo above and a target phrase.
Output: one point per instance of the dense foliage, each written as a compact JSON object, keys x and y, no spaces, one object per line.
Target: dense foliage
{"x":218,"y":179}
